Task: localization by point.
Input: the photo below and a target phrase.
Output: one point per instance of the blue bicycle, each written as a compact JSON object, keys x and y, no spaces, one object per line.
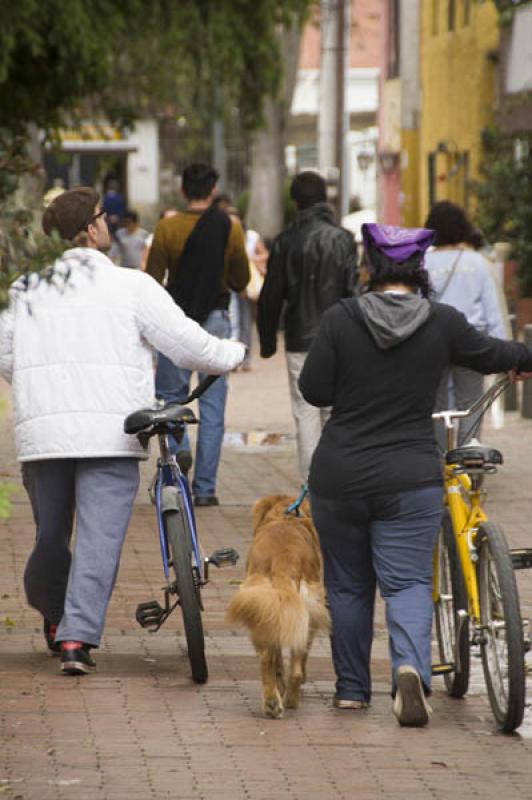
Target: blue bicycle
{"x":178,"y":536}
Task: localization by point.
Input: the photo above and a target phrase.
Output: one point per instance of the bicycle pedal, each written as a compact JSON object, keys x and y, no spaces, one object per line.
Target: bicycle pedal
{"x":224,"y":556}
{"x":442,"y":669}
{"x":150,"y":614}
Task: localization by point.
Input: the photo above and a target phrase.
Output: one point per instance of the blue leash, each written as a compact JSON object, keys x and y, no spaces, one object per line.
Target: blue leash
{"x":294,"y":507}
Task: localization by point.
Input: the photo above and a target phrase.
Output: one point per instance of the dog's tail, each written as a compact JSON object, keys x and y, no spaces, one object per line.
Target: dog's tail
{"x":275,"y":613}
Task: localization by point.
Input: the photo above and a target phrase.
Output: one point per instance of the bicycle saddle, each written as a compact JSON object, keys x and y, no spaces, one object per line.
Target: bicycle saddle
{"x":474,"y":457}
{"x":150,"y":417}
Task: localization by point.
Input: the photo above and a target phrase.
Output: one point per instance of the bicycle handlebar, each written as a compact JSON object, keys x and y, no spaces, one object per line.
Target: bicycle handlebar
{"x":488,"y":397}
{"x":200,"y":389}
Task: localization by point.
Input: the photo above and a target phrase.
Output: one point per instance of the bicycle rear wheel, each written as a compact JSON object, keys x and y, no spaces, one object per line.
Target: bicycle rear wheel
{"x":180,"y":551}
{"x":502,"y":644}
{"x":451,"y":599}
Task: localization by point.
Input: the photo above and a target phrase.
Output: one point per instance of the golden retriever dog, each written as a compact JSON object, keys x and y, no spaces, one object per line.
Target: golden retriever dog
{"x":282,"y":600}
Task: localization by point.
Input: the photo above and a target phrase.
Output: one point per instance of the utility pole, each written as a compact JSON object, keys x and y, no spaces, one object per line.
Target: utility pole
{"x":332,"y":116}
{"x":219,"y":156}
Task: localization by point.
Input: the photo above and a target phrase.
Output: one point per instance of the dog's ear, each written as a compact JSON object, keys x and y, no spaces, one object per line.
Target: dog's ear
{"x":261,"y":508}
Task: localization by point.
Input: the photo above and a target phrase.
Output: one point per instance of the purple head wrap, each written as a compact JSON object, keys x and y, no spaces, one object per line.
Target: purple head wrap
{"x":398,"y":244}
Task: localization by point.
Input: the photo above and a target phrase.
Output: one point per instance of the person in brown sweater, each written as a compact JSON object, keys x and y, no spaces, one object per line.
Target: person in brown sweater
{"x":199,"y":254}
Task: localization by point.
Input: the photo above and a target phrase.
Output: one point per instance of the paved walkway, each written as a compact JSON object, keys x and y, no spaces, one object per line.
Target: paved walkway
{"x":140,"y":729}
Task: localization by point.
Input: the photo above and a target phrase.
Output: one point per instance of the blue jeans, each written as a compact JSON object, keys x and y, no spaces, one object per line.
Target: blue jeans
{"x":172,"y":384}
{"x":241,"y":313}
{"x":386,"y":540}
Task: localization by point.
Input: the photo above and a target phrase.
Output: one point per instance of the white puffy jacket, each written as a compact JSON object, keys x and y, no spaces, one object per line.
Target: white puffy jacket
{"x":78,"y":351}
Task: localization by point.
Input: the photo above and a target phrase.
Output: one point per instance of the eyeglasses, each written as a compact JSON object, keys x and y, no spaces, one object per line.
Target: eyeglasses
{"x":95,"y":217}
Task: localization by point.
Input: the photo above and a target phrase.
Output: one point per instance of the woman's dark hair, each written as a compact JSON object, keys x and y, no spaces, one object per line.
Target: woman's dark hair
{"x":476,"y":239}
{"x":382,"y":270}
{"x":450,"y":223}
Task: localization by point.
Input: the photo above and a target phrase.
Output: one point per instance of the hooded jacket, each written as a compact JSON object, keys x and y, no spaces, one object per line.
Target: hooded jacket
{"x":377,"y":361}
{"x":311,"y":266}
{"x":78,"y":351}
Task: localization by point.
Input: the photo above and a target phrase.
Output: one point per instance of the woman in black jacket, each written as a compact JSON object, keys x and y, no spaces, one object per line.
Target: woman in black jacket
{"x":375,"y":479}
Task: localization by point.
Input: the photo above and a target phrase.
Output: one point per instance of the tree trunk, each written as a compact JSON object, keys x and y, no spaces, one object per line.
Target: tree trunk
{"x":267,"y":167}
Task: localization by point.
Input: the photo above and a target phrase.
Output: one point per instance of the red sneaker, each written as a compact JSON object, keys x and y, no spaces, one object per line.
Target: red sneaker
{"x":75,"y":658}
{"x":49,"y":630}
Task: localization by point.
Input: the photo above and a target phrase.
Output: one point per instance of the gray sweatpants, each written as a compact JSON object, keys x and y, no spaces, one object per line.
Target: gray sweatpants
{"x":72,"y":590}
{"x":309,"y":419}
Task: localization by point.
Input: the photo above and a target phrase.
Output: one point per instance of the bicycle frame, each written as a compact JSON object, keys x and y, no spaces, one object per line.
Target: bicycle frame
{"x":465,"y":521}
{"x":169,"y":474}
{"x":465,"y":516}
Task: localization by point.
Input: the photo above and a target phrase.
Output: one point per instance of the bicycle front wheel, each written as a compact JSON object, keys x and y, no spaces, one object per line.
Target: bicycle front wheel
{"x":451,"y":599}
{"x":180,"y":550}
{"x":502,"y":642}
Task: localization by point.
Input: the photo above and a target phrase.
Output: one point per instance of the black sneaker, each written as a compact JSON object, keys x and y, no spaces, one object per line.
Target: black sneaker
{"x":49,"y":630}
{"x":75,"y":658}
{"x":207,"y":500}
{"x":184,"y":459}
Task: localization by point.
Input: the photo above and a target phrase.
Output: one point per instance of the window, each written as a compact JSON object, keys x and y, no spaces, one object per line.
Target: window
{"x":466,"y":19}
{"x":435,"y":17}
{"x":393,"y":38}
{"x":432,"y":178}
{"x":451,"y":15}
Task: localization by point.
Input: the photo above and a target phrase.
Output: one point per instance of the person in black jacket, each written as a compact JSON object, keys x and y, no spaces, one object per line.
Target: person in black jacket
{"x":312,"y":265}
{"x":375,"y":479}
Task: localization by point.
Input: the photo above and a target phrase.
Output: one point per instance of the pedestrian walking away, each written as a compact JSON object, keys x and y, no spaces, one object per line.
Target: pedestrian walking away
{"x":462,"y":278}
{"x":114,"y":205}
{"x":77,"y":348}
{"x":375,"y":480}
{"x":130,"y":241}
{"x":201,"y":254}
{"x":312,"y":265}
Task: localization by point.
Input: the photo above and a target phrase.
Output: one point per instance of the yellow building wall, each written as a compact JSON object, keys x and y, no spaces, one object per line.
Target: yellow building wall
{"x":458,"y":84}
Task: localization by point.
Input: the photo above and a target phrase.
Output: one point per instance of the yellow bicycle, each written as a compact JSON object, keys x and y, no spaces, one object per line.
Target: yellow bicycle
{"x":475,"y":592}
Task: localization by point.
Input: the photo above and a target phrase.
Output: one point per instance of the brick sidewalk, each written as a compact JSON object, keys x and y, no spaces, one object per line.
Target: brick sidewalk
{"x":139,"y":728}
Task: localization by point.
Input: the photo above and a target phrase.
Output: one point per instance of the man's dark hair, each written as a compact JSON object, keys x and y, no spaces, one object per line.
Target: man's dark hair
{"x":383,"y":270}
{"x":198,"y":181}
{"x":307,"y":189}
{"x":70,"y":212}
{"x":450,"y":223}
{"x":131,"y":216}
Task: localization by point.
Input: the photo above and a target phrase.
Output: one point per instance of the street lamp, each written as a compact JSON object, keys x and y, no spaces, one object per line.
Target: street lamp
{"x":388,"y":161}
{"x":364,"y":160}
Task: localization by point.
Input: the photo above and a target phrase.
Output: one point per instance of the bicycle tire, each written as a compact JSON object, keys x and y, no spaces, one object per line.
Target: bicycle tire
{"x":504,"y":667}
{"x":452,"y":598}
{"x":180,"y":551}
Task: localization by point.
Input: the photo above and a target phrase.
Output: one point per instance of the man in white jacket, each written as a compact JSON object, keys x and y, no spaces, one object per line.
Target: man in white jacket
{"x":77,"y":348}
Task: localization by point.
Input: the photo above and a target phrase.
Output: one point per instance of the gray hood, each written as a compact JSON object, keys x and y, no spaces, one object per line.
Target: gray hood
{"x":393,"y":317}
